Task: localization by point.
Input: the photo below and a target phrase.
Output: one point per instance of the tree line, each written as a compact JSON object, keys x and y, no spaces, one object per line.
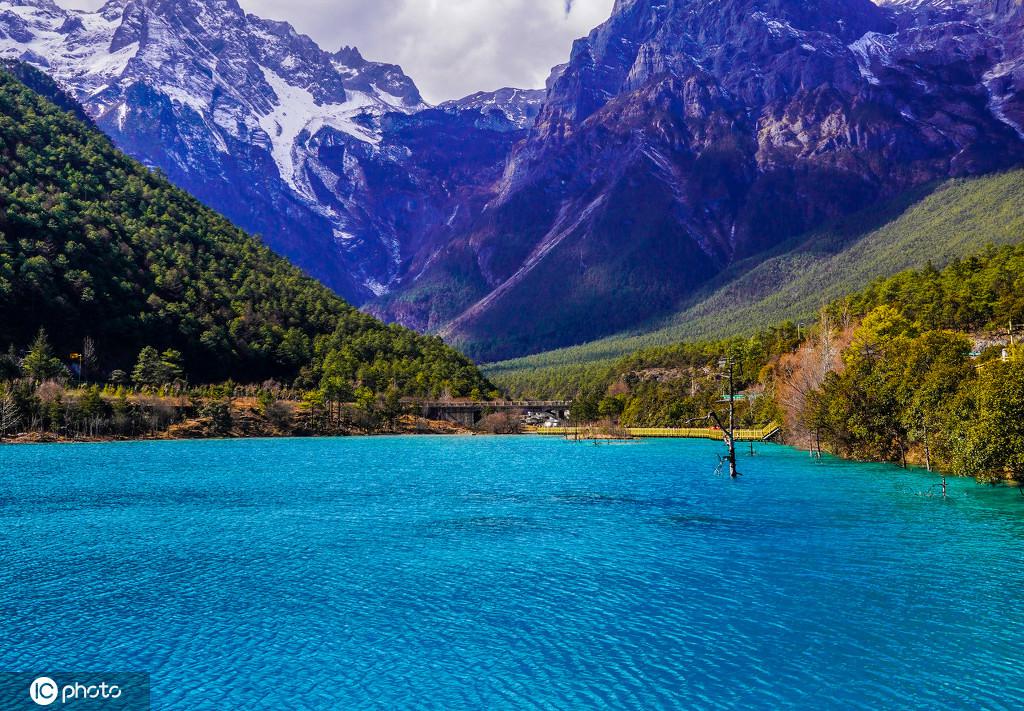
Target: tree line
{"x":72,"y":397}
{"x":147,"y":287}
{"x":925,"y":367}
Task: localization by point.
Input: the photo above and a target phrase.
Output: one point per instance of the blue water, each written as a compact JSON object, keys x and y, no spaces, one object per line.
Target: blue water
{"x":525,"y":573}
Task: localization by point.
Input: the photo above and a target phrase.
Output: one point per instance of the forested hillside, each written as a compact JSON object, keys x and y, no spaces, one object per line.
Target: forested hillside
{"x":95,"y":246}
{"x":932,"y":225}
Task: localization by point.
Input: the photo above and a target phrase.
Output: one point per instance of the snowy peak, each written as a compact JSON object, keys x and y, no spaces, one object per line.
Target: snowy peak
{"x":387,"y":81}
{"x":709,"y":131}
{"x":519,"y":107}
{"x":939,"y":10}
{"x":190,"y":50}
{"x":233,"y":107}
{"x":70,"y":45}
{"x":920,"y":4}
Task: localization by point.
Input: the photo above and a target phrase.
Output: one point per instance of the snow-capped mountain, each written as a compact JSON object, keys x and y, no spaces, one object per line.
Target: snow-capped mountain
{"x":685,"y":136}
{"x":252,"y":117}
{"x":681,"y":137}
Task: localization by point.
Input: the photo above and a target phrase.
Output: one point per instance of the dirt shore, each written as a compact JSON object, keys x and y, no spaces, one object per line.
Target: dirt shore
{"x":203,"y":428}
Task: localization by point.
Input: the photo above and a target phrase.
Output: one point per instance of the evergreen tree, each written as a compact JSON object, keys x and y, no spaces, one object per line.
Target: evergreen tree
{"x":171,"y":369}
{"x":391,"y":406}
{"x":95,"y":244}
{"x":40,"y":362}
{"x":148,"y":368}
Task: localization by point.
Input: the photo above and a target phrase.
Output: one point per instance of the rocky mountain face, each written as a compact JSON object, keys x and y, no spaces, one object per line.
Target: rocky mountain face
{"x":685,"y":135}
{"x":681,"y":137}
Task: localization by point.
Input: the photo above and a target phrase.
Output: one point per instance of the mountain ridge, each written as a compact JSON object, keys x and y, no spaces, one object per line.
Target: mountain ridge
{"x":681,"y":138}
{"x":753,"y":121}
{"x":956,"y":219}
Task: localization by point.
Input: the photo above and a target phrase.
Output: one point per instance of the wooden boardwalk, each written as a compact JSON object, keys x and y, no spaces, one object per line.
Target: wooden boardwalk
{"x":742,"y":435}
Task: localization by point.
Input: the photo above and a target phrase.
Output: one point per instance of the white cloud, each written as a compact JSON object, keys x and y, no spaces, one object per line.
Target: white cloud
{"x":449,"y":47}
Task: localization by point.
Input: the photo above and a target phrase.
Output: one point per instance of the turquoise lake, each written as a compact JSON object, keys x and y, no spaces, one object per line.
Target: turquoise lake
{"x":519,"y":573}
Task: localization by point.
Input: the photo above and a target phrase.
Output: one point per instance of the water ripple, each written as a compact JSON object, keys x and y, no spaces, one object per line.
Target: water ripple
{"x":520,"y":573}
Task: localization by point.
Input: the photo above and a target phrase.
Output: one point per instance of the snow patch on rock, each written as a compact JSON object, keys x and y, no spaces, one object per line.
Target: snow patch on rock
{"x":298,"y":114}
{"x":872,"y":52}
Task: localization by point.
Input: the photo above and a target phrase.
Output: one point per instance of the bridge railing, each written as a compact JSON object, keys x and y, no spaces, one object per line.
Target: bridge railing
{"x":742,"y":435}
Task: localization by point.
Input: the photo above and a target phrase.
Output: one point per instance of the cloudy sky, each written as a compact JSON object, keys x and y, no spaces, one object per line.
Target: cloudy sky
{"x":449,"y":47}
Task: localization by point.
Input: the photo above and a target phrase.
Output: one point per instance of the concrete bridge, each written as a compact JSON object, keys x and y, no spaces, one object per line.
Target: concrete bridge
{"x":469,"y":413}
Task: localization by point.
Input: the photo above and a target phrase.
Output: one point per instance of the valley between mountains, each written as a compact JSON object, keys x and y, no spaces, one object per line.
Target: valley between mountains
{"x":684,"y":144}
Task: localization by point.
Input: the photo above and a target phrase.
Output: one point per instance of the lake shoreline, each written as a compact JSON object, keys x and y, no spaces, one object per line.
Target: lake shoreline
{"x":44,"y":438}
{"x":421,"y":428}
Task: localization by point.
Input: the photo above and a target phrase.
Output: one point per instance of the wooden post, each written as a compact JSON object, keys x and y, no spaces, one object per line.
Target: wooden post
{"x":732,"y":403}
